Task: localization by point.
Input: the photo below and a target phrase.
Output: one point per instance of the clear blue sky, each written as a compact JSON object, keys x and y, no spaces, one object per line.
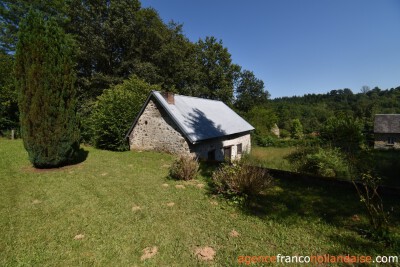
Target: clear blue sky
{"x":300,"y":46}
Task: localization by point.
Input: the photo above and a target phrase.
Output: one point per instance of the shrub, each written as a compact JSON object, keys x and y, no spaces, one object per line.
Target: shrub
{"x":114,"y":112}
{"x":296,"y":129}
{"x":344,"y":132}
{"x":184,"y":168}
{"x":328,"y":162}
{"x":367,"y":190}
{"x":283,"y":133}
{"x":239,"y":179}
{"x":264,"y":141}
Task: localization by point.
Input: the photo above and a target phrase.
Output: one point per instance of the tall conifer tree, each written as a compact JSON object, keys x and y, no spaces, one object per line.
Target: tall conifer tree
{"x":47,"y":102}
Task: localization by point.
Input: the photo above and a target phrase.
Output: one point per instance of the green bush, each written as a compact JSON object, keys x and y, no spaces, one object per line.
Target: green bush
{"x":328,"y":162}
{"x":283,"y":133}
{"x":239,"y":179}
{"x":114,"y":112}
{"x":184,"y":168}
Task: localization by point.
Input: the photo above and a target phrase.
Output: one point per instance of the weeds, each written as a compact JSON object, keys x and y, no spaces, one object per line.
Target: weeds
{"x":240,"y":181}
{"x":368,"y":193}
{"x":184,"y":168}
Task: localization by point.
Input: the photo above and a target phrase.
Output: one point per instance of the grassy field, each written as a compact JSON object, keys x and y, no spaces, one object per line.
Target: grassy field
{"x":273,"y":157}
{"x":106,"y":210}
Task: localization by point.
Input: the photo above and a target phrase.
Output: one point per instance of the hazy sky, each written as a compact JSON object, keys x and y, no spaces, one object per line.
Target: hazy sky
{"x":300,"y":46}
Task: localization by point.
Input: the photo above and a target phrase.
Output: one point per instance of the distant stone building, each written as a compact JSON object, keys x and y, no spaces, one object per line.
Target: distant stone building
{"x":179,"y":124}
{"x":387,"y":131}
{"x":275,"y":130}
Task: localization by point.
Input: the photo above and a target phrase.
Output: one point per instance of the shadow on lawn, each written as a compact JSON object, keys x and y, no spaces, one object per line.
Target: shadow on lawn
{"x":335,"y":204}
{"x":80,"y":156}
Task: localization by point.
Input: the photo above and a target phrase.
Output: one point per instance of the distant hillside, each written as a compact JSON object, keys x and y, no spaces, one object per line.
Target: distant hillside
{"x":314,"y":109}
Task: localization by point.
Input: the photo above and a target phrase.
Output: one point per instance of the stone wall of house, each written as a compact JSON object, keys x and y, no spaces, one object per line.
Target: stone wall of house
{"x":382,"y":141}
{"x":155,"y":130}
{"x":202,"y":150}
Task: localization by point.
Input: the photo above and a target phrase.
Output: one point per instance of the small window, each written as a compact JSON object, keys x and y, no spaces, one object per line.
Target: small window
{"x":145,"y":122}
{"x":239,"y":149}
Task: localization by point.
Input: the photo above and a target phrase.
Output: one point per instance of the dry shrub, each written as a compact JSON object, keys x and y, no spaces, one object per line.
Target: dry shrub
{"x":240,"y":179}
{"x":184,"y":168}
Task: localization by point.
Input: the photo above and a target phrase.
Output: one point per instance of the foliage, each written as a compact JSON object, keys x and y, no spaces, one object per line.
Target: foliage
{"x":8,"y":95}
{"x":283,"y":133}
{"x":241,"y":179}
{"x":47,"y":104}
{"x":105,"y":32}
{"x":114,"y":112}
{"x":262,"y":119}
{"x":185,"y":168}
{"x":314,"y":109}
{"x":296,"y":129}
{"x":344,"y":132}
{"x":217,"y":73}
{"x":367,"y":190}
{"x":270,"y":141}
{"x":13,"y":11}
{"x":250,"y":91}
{"x":328,"y":162}
{"x":264,"y":141}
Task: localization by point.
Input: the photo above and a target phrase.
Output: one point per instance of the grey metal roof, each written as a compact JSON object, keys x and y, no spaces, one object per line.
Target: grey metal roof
{"x":387,"y":123}
{"x":201,"y":119}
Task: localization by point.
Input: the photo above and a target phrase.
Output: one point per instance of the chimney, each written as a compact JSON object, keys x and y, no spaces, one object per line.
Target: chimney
{"x":169,"y":97}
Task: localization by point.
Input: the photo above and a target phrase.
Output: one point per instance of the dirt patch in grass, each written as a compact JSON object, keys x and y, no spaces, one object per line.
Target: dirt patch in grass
{"x":200,"y":185}
{"x":148,"y":253}
{"x":36,"y":201}
{"x":136,"y":208}
{"x":205,"y":253}
{"x":234,"y":233}
{"x":214,"y":203}
{"x":180,"y":186}
{"x":165,"y":185}
{"x":170,"y":204}
{"x":79,"y":237}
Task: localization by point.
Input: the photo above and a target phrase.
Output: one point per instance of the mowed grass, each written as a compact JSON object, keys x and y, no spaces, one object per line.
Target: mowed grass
{"x":273,"y":157}
{"x":117,"y":204}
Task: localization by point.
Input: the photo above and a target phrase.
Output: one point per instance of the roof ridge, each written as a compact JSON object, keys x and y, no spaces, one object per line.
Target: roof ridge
{"x":188,"y":96}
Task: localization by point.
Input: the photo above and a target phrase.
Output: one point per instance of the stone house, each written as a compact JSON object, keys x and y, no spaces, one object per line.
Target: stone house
{"x":387,"y":131}
{"x":179,"y":124}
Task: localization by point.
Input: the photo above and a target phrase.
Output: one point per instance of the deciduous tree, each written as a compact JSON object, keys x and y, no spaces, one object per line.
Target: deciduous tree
{"x":250,"y":91}
{"x":217,"y":72}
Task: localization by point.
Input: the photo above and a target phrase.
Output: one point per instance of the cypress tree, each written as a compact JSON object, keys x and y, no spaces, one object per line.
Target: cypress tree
{"x":45,"y":78}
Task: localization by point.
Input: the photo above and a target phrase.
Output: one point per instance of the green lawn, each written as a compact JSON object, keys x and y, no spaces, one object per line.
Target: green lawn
{"x":273,"y":157}
{"x":117,"y":204}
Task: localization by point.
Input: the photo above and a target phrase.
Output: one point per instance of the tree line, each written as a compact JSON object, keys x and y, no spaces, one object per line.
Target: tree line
{"x":314,"y":110}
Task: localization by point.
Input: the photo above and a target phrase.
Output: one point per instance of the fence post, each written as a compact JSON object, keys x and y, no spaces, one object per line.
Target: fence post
{"x":12,"y":134}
